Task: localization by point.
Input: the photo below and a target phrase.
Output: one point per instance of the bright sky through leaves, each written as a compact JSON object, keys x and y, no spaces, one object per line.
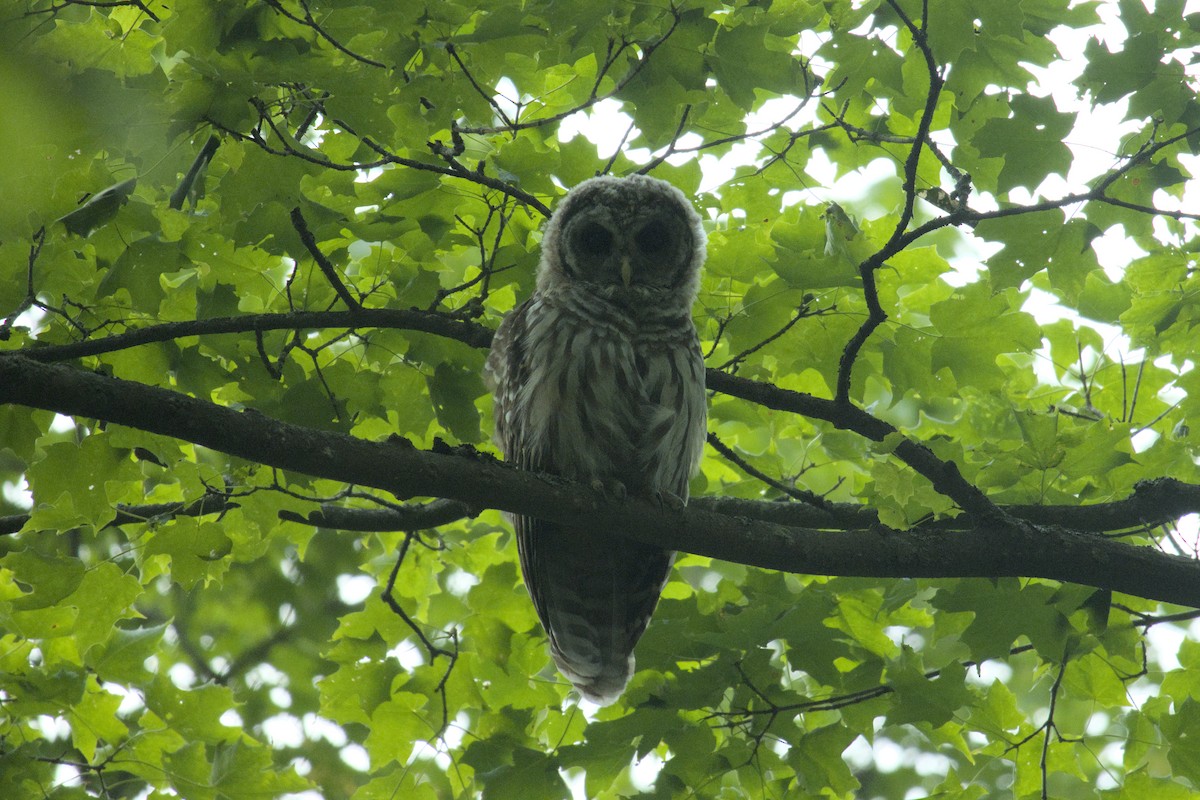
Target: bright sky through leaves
{"x":944,"y":538}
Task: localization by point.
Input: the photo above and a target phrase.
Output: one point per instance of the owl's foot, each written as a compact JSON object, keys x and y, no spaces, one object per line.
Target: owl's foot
{"x":669,"y":500}
{"x":610,"y":489}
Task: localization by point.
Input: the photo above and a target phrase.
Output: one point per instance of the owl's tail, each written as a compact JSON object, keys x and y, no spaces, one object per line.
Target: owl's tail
{"x":594,"y":595}
{"x":599,"y":681}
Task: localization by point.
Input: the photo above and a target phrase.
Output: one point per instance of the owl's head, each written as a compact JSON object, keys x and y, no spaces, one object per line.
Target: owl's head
{"x":636,"y":236}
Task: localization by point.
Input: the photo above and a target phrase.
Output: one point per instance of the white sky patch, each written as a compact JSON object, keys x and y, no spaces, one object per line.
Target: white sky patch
{"x":303,"y":767}
{"x":66,"y":774}
{"x":366,"y":176}
{"x":408,"y":654}
{"x":131,"y":701}
{"x":353,"y":590}
{"x":989,"y":672}
{"x":283,"y":730}
{"x":265,"y":674}
{"x":182,"y":675}
{"x":320,"y":728}
{"x":440,"y":750}
{"x":280,"y":697}
{"x":576,"y":781}
{"x":507,"y":97}
{"x":883,"y":753}
{"x":459,"y":582}
{"x":53,"y":728}
{"x":30,"y":318}
{"x":356,"y":757}
{"x":643,"y":772}
{"x":18,"y":494}
{"x":1163,"y":644}
{"x":604,"y":125}
{"x":1189,"y":526}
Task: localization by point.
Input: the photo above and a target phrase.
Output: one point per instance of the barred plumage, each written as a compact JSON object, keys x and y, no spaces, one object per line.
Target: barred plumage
{"x":599,"y":377}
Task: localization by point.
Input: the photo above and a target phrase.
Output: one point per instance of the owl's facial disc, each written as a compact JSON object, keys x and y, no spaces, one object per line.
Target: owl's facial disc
{"x":646,"y":252}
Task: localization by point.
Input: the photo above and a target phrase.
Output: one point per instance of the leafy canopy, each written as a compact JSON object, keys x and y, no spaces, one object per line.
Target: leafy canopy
{"x":950,"y":318}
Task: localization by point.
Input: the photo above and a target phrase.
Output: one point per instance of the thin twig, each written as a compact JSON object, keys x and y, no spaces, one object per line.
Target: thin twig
{"x":327,"y":268}
{"x":791,"y":491}
{"x":647,"y":50}
{"x":309,"y":21}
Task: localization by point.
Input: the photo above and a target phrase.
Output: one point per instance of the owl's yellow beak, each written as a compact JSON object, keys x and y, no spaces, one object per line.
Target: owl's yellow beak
{"x":626,"y":271}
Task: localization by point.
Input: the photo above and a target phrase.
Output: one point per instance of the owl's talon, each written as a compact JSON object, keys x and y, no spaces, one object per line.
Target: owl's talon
{"x":611,"y":489}
{"x":669,"y":500}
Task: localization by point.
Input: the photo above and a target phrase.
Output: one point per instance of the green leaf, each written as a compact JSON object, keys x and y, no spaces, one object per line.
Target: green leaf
{"x":125,"y":653}
{"x":104,"y":597}
{"x":242,"y":769}
{"x":194,"y":713}
{"x":748,"y":58}
{"x":1030,"y":141}
{"x":453,"y":390}
{"x":197,"y":550}
{"x":99,"y":209}
{"x":1002,"y":612}
{"x":974,"y":328}
{"x":94,"y":719}
{"x":919,"y":698}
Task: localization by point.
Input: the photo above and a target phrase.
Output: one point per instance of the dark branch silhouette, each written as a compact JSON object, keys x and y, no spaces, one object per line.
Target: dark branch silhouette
{"x":480,"y":482}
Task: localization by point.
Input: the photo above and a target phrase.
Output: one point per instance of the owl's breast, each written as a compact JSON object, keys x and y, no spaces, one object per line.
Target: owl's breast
{"x":579,"y":405}
{"x":606,"y":395}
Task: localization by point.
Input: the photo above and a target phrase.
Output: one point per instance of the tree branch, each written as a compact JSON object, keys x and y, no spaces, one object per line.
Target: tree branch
{"x":129,"y":515}
{"x":309,"y":21}
{"x":421,"y":516}
{"x":469,"y":333}
{"x":944,"y":475}
{"x":327,"y":268}
{"x":480,"y":482}
{"x":876,"y":314}
{"x":514,"y":126}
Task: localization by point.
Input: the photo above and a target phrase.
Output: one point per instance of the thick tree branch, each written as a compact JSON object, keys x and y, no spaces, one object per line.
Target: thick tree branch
{"x":1152,"y":503}
{"x":944,"y":475}
{"x":481,"y":482}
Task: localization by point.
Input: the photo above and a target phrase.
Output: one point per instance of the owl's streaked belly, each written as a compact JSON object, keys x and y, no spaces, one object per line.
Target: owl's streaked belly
{"x":613,"y":397}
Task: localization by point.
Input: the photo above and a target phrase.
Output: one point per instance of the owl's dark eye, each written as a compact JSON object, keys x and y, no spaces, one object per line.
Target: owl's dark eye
{"x":653,"y":238}
{"x":594,"y":239}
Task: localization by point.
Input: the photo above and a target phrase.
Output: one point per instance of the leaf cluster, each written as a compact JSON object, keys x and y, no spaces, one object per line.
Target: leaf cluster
{"x":918,"y":323}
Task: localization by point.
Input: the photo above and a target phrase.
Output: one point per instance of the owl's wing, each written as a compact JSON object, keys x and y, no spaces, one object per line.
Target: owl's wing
{"x":506,"y":370}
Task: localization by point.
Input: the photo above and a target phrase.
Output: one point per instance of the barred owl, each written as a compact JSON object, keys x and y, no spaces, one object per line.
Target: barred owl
{"x":598,"y":377}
